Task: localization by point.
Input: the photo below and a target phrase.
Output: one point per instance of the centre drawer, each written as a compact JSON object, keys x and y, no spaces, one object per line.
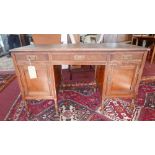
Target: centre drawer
{"x":79,"y":57}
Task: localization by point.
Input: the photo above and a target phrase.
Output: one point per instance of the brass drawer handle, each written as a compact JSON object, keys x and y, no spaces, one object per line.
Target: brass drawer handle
{"x":31,"y":57}
{"x":79,"y":57}
{"x":127,"y":57}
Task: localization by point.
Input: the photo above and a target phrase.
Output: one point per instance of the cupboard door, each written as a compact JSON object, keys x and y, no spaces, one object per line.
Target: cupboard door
{"x":39,"y":86}
{"x":122,"y":79}
{"x":100,"y":74}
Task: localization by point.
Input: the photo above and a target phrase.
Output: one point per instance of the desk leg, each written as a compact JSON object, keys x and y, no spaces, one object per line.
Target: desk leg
{"x":133,"y":104}
{"x":136,"y":42}
{"x":56,"y":106}
{"x":153,"y":54}
{"x":70,"y":72}
{"x":24,"y":102}
{"x":103,"y":105}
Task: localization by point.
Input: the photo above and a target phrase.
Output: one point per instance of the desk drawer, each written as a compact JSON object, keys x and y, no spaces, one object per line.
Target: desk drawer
{"x":79,"y":57}
{"x":32,"y":57}
{"x":127,"y":56}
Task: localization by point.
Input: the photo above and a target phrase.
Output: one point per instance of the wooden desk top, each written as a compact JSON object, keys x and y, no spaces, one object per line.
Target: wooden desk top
{"x":105,"y":47}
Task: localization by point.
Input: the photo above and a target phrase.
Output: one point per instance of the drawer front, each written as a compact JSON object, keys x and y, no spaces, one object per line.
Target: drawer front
{"x":79,"y":57}
{"x":127,"y":56}
{"x":32,"y":57}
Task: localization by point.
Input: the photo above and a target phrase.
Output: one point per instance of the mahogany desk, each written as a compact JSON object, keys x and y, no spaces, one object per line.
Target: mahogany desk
{"x":118,"y":68}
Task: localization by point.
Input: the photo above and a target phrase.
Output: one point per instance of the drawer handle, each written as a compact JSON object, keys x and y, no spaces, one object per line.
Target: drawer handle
{"x":31,"y":57}
{"x":79,"y":57}
{"x":127,"y":57}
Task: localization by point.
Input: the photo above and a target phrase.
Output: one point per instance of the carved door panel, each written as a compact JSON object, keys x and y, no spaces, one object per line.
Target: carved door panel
{"x":39,"y":86}
{"x":122,"y":79}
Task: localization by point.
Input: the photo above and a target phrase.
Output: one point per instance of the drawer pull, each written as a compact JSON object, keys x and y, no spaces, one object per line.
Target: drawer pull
{"x":31,"y":57}
{"x":79,"y":57}
{"x":127,"y":57}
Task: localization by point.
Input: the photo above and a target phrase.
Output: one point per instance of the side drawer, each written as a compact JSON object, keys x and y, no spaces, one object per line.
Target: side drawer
{"x":31,"y":57}
{"x":127,"y":56}
{"x":79,"y":57}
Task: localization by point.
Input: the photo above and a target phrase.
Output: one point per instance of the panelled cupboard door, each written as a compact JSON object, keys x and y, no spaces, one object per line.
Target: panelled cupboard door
{"x":122,"y":79}
{"x":37,"y":87}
